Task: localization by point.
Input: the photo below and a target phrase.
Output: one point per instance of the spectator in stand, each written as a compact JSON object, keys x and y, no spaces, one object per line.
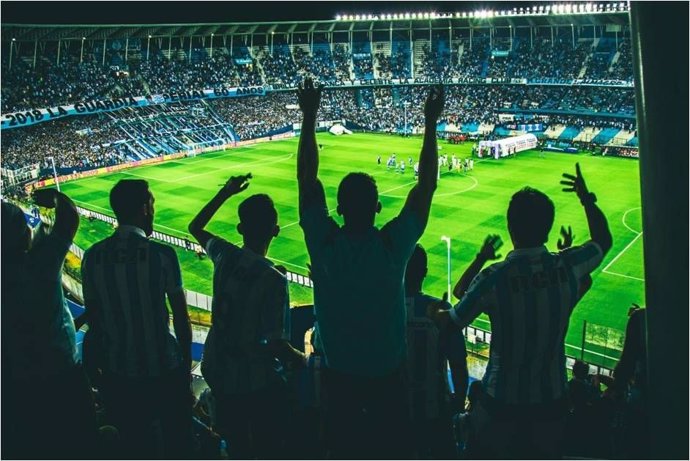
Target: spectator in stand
{"x":529,"y":298}
{"x":358,"y":273}
{"x":429,"y":353}
{"x":45,"y":394}
{"x":146,"y":371}
{"x":248,"y":341}
{"x":583,"y":388}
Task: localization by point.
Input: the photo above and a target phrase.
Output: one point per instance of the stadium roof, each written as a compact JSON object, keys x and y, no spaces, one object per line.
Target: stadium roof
{"x":576,"y":14}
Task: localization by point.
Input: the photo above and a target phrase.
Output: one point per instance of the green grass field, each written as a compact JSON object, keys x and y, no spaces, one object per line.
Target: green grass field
{"x":466,"y":208}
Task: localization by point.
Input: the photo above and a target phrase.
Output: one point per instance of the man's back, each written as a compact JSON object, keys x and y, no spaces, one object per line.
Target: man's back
{"x":126,"y":277}
{"x":358,"y":290}
{"x":250,"y":308}
{"x":529,"y":298}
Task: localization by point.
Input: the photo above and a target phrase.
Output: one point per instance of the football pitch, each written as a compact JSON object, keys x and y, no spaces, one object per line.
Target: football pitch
{"x":466,"y":208}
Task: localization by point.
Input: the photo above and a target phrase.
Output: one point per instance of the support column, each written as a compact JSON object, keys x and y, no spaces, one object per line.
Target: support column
{"x":35,"y":52}
{"x":12,"y":52}
{"x":126,"y":48}
{"x":572,"y":30}
{"x":81,"y":53}
{"x":190,"y":49}
{"x":531,"y":38}
{"x":57,"y":61}
{"x":104,"y":43}
{"x":661,"y":90}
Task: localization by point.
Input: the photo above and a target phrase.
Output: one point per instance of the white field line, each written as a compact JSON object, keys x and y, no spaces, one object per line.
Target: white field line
{"x":637,"y":236}
{"x":626,"y":225}
{"x":622,"y":251}
{"x":623,"y":275}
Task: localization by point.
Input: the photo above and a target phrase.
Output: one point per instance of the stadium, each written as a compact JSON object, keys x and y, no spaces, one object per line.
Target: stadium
{"x":529,"y":90}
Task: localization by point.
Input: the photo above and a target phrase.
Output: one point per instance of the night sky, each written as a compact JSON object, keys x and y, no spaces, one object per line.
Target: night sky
{"x":99,"y":12}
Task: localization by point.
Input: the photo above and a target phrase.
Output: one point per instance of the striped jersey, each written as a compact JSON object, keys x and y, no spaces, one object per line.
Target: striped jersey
{"x":251,"y":307}
{"x":428,"y":352}
{"x":529,"y":298}
{"x":126,"y":277}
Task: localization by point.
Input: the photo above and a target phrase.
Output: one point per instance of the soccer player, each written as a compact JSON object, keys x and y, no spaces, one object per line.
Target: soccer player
{"x":248,"y":340}
{"x":358,"y":272}
{"x":402,"y":167}
{"x":146,"y":371}
{"x":529,"y":298}
{"x":378,"y":160}
{"x":429,"y":352}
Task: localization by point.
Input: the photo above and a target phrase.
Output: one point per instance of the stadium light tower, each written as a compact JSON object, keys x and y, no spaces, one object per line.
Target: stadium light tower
{"x":447,"y":240}
{"x":52,"y":162}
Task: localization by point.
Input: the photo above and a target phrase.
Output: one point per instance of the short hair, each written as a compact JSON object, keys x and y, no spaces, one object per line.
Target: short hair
{"x":416,"y":266}
{"x":14,"y":229}
{"x":530,"y":217}
{"x":258,"y":216}
{"x":580,"y":369}
{"x":127,"y":198}
{"x":358,"y":195}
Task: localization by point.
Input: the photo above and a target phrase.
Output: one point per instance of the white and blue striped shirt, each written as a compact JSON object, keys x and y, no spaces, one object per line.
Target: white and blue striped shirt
{"x":529,"y":298}
{"x":251,"y":307}
{"x":126,"y":277}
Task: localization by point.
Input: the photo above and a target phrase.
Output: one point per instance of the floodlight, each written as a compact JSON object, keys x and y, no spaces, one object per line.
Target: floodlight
{"x":407,"y":15}
{"x":14,"y":39}
{"x":464,"y":14}
{"x":84,"y":38}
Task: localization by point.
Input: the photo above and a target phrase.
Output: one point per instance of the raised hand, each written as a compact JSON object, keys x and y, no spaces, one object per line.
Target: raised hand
{"x":491,"y":245}
{"x":309,"y":97}
{"x":567,"y":240}
{"x":44,"y":197}
{"x":575,"y":183}
{"x":236,"y":184}
{"x":633,"y":308}
{"x":434,"y":103}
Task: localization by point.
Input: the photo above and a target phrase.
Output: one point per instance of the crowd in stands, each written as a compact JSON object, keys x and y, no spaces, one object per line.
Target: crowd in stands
{"x":397,"y":65}
{"x":75,"y":143}
{"x":84,"y":77}
{"x":385,"y":346}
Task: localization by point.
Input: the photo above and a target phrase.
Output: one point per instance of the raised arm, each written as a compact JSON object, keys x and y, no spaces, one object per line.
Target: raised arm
{"x":309,"y":97}
{"x":487,"y":253}
{"x":235,"y":185}
{"x":66,"y":216}
{"x":419,"y":198}
{"x":598,"y":225}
